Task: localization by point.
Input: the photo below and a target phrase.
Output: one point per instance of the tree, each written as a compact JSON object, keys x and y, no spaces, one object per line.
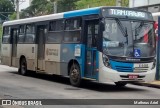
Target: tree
{"x":66,"y":5}
{"x":13,"y":16}
{"x":44,"y":7}
{"x":37,"y":8}
{"x":95,"y":3}
{"x":6,"y":9}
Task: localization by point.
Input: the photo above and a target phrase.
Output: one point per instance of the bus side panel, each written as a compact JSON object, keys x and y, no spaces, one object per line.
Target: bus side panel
{"x":6,"y":54}
{"x":30,"y":53}
{"x":52,"y":58}
{"x":67,"y":54}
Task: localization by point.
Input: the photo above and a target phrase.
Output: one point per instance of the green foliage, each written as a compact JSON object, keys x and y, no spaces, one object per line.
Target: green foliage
{"x":95,"y":3}
{"x":13,"y":16}
{"x":43,"y":7}
{"x":125,"y":3}
{"x":66,"y":5}
{"x":6,"y":9}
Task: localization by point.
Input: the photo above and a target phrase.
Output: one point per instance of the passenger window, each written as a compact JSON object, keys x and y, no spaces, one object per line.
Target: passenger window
{"x":21,"y":34}
{"x":55,"y":33}
{"x":6,"y":35}
{"x":30,"y":33}
{"x":72,"y":30}
{"x":73,"y":24}
{"x":52,"y":26}
{"x":56,"y":25}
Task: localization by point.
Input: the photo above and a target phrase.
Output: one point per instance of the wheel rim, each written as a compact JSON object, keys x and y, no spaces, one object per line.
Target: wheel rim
{"x":75,"y":74}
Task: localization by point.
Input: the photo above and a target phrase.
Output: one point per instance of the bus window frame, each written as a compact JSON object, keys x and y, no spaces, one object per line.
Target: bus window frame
{"x":9,"y":34}
{"x":80,"y":30}
{"x":61,"y":32}
{"x":22,"y":42}
{"x":33,"y":25}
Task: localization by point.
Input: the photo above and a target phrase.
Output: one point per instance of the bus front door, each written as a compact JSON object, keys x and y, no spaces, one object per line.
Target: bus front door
{"x":41,"y":47}
{"x":91,"y":49}
{"x":14,"y":35}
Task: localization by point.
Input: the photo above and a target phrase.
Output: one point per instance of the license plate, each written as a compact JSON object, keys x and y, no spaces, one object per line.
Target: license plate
{"x":132,"y":76}
{"x":144,"y":65}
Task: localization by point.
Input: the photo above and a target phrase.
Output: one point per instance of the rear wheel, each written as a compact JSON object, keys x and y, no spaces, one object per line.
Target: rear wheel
{"x":75,"y":76}
{"x":23,"y":67}
{"x":120,"y":84}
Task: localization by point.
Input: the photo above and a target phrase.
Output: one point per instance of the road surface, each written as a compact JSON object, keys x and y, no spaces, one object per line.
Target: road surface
{"x":40,"y":86}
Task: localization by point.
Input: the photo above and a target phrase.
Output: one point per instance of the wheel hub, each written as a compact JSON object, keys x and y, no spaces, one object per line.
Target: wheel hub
{"x":74,"y":74}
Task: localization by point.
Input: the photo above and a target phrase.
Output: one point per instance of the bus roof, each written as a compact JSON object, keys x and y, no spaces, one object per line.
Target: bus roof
{"x":75,"y":13}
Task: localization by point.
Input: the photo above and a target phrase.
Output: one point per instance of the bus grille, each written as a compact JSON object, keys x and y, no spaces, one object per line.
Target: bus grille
{"x":129,"y":69}
{"x":124,"y":69}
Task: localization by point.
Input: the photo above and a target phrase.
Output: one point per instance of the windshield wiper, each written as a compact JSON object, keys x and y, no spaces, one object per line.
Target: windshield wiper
{"x":123,"y":29}
{"x":137,"y":29}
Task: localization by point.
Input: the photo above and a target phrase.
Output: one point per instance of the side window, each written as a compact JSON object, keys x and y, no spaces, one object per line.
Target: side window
{"x":55,"y":31}
{"x":30,"y":33}
{"x":52,"y":26}
{"x":6,"y":35}
{"x":72,"y":30}
{"x":56,"y":25}
{"x":73,"y":24}
{"x":21,"y":34}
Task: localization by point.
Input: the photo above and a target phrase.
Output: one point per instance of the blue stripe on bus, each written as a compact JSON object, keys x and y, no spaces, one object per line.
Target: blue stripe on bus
{"x":68,"y":51}
{"x":122,"y":67}
{"x":82,"y":12}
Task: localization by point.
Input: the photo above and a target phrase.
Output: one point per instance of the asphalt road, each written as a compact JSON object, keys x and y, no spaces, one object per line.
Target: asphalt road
{"x":40,"y":86}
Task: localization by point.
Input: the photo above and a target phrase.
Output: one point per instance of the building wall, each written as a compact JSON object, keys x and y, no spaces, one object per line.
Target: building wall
{"x":148,"y":5}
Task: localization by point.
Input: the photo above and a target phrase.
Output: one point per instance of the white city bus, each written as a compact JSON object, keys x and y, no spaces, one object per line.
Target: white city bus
{"x":105,"y":44}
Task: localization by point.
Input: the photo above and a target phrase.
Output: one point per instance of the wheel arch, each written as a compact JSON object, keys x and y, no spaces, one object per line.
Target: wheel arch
{"x":70,"y":64}
{"x":22,"y":56}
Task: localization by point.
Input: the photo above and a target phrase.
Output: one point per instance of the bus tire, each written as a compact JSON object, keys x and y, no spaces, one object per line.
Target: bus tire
{"x":75,"y":75}
{"x":120,"y":84}
{"x":23,"y":67}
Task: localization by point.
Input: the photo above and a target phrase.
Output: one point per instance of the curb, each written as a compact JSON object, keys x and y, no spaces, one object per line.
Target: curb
{"x":147,"y":84}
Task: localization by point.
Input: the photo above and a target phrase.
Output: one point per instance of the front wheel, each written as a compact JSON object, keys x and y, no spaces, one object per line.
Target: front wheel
{"x":23,"y":67}
{"x":120,"y":84}
{"x":75,"y":76}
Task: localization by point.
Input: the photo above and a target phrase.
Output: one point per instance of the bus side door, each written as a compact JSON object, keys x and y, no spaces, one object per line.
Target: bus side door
{"x":14,"y":35}
{"x":91,"y":32}
{"x":41,"y":47}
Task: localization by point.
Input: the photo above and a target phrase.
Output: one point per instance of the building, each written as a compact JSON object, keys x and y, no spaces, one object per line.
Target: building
{"x":148,"y":5}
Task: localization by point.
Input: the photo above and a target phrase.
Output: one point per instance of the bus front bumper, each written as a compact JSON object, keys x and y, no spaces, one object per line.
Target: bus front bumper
{"x":110,"y":75}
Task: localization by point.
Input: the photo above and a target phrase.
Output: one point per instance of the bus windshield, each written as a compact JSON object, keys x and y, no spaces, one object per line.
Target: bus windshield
{"x":124,"y":37}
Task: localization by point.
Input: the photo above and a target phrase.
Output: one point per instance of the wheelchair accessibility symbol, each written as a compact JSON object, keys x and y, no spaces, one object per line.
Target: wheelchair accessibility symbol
{"x":137,"y":53}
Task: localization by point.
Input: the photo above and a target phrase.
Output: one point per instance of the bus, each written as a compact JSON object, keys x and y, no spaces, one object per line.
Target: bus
{"x":103,"y":44}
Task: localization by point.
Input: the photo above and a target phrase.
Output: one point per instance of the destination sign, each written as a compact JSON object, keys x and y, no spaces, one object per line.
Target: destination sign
{"x":127,"y":13}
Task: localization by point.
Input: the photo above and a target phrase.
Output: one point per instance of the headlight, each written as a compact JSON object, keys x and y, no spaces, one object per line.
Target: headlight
{"x":106,"y":61}
{"x":154,"y":64}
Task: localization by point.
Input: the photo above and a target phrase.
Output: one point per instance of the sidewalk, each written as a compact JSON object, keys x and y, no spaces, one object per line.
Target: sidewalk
{"x":155,"y":84}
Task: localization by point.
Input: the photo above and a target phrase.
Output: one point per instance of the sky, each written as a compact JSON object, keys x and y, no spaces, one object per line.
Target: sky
{"x":23,"y":5}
